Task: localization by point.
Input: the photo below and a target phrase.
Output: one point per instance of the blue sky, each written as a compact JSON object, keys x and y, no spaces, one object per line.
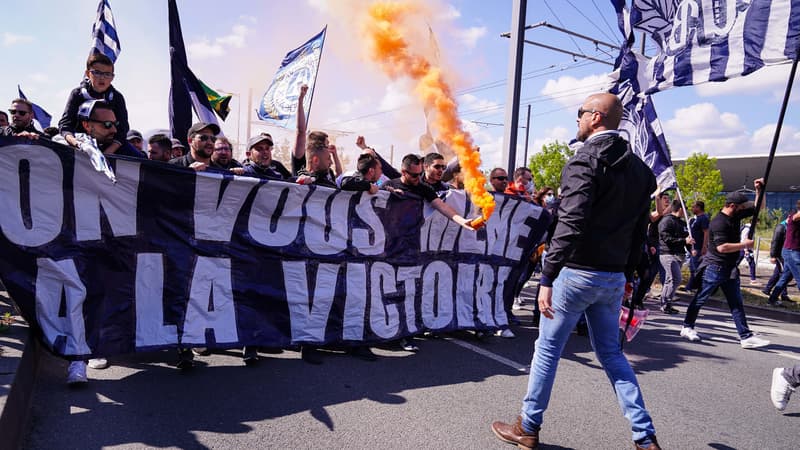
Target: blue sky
{"x":238,"y":47}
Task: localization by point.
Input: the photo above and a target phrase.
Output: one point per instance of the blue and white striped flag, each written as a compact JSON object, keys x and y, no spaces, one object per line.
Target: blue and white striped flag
{"x":708,"y":40}
{"x":299,"y":67}
{"x":104,"y":33}
{"x":641,"y":127}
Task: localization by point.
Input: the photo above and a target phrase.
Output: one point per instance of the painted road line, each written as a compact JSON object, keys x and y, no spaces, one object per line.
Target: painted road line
{"x":483,"y":352}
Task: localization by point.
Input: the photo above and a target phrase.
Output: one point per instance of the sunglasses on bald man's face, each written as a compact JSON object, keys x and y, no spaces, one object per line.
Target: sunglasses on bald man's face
{"x":206,"y":137}
{"x":107,"y":124}
{"x":18,"y":112}
{"x":501,"y":178}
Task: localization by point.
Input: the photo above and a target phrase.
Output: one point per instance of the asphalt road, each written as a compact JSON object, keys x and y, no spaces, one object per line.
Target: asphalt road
{"x":712,"y":394}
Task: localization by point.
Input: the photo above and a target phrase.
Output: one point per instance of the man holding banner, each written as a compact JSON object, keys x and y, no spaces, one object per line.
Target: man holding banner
{"x":595,"y":247}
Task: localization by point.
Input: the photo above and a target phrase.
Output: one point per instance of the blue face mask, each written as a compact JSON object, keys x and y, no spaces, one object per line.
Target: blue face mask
{"x":549,"y":199}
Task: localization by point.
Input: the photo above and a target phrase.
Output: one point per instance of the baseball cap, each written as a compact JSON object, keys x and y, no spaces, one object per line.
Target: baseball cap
{"x":133,"y":134}
{"x":86,"y":108}
{"x":177,"y":143}
{"x":738,"y":198}
{"x":199,"y":126}
{"x":262,"y":137}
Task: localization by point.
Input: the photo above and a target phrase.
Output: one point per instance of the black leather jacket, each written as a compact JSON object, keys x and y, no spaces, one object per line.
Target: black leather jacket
{"x":604,"y":209}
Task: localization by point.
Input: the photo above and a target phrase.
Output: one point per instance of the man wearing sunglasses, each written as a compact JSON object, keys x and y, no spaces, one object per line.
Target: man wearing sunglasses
{"x":434,"y":167}
{"x":21,"y":113}
{"x":498,"y":178}
{"x":604,"y":210}
{"x":201,"y":138}
{"x":97,"y":86}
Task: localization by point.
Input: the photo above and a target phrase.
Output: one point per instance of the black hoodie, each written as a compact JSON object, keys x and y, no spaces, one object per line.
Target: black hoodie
{"x":604,"y":209}
{"x":69,"y":123}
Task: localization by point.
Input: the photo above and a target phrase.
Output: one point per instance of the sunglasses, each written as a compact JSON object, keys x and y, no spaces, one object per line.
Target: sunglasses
{"x":206,"y":137}
{"x":500,"y":178}
{"x":101,"y":74}
{"x":439,"y":166}
{"x":18,"y":112}
{"x":582,"y":111}
{"x":413,"y":174}
{"x":222,"y":149}
{"x":107,"y":124}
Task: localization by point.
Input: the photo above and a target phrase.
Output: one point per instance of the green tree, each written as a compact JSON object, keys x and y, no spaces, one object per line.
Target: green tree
{"x":546,"y":166}
{"x":699,"y":179}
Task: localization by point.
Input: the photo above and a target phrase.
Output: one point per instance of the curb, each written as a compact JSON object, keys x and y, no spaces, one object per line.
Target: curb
{"x":20,"y":363}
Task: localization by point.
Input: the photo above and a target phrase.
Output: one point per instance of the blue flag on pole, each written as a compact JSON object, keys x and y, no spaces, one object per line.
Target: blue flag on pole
{"x":186,"y":92}
{"x":39,"y":114}
{"x":708,"y":40}
{"x":299,"y":66}
{"x":104,"y":33}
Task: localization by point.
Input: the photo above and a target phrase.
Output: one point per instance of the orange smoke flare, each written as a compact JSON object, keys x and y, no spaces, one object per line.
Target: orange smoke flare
{"x":391,"y":49}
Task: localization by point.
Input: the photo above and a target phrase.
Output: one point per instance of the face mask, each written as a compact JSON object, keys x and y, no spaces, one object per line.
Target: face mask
{"x":549,"y":199}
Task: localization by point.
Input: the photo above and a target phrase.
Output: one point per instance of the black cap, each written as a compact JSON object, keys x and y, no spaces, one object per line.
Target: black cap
{"x":177,"y":143}
{"x":262,"y":137}
{"x":738,"y":198}
{"x":133,"y":134}
{"x":199,"y":126}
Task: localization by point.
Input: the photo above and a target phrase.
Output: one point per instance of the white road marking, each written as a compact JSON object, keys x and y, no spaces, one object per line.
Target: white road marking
{"x":483,"y":352}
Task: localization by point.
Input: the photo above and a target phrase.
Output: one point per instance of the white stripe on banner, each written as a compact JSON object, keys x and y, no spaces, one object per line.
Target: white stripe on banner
{"x":775,"y":41}
{"x":736,"y":48}
{"x":700,"y":58}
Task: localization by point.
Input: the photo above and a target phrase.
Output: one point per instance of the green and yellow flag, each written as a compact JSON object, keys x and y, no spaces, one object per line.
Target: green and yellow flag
{"x":219,"y":102}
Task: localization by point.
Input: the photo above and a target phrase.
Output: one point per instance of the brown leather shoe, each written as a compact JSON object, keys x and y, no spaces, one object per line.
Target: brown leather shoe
{"x":653,"y":446}
{"x":515,"y":434}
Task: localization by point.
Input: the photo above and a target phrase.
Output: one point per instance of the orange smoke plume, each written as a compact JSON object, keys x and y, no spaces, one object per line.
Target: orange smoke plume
{"x":389,"y":46}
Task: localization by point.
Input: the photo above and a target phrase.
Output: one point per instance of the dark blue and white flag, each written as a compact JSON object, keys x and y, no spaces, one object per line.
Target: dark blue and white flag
{"x":39,"y":114}
{"x":708,"y":40}
{"x":299,"y":67}
{"x":186,"y":92}
{"x":104,"y":33}
{"x":641,"y":127}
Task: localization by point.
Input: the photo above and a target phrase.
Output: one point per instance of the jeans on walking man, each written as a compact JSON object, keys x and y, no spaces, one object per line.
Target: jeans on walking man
{"x":596,"y":244}
{"x":719,"y":268}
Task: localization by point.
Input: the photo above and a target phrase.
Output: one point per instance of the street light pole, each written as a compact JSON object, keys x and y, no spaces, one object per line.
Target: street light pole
{"x":527,"y":135}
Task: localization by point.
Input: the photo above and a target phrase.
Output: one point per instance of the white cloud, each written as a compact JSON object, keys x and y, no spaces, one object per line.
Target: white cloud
{"x":770,"y":79}
{"x":10,"y":39}
{"x":789,"y":141}
{"x":204,"y":48}
{"x":549,"y":136}
{"x":469,"y":102}
{"x":346,"y":108}
{"x":322,"y":6}
{"x":570,"y":91}
{"x":469,"y":36}
{"x":236,"y":38}
{"x":450,"y":12}
{"x":397,"y":95}
{"x":246,"y":18}
{"x":703,"y":120}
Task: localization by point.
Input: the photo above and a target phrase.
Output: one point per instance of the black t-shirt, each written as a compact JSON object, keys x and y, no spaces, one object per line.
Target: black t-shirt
{"x":725,"y":230}
{"x":423,"y":190}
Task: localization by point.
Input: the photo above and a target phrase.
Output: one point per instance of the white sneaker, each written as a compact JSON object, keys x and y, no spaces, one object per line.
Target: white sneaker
{"x":98,"y":363}
{"x":76,"y":373}
{"x":780,"y":390}
{"x":507,"y":333}
{"x":754,"y":342}
{"x":517,"y":305}
{"x":690,"y":334}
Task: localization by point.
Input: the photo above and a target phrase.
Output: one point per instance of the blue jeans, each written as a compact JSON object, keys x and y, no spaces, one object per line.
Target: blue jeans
{"x":694,"y":261}
{"x":726,"y":279}
{"x":598,"y":295}
{"x":791,"y":267}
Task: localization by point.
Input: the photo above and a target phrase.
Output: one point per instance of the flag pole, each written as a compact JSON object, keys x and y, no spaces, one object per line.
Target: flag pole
{"x":319,"y":63}
{"x":760,"y":199}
